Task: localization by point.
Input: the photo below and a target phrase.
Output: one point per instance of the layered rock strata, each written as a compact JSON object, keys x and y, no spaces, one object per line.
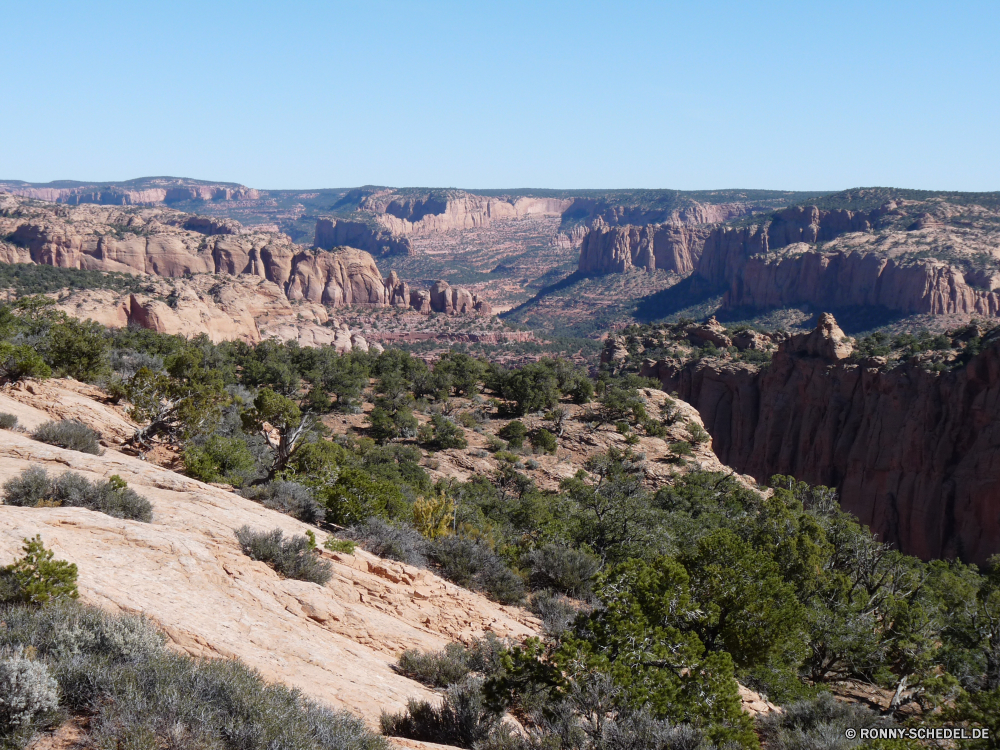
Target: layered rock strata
{"x":915,"y":454}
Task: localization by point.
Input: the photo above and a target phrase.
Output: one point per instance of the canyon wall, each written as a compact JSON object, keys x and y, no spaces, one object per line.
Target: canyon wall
{"x":365,"y":235}
{"x":405,"y":215}
{"x":615,"y":249}
{"x":122,"y":196}
{"x":914,"y":454}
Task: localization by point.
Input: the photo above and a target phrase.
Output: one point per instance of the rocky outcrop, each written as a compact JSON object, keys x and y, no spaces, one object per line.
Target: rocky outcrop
{"x":145,"y":192}
{"x":444,"y":211}
{"x":456,"y":300}
{"x":839,"y":259}
{"x":615,"y":249}
{"x":915,"y":454}
{"x":185,"y":572}
{"x":362,"y":234}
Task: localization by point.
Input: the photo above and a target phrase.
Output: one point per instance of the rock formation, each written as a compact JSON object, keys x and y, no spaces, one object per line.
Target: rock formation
{"x":359,"y":233}
{"x":615,"y":249}
{"x":261,"y":273}
{"x":151,"y":191}
{"x":185,"y":571}
{"x":915,"y":454}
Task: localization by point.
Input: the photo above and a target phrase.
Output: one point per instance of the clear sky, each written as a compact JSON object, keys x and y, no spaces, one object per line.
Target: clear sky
{"x":486,"y":94}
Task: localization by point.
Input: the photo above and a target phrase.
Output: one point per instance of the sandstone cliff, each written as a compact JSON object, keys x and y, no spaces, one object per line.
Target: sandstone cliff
{"x":261,"y":272}
{"x":150,"y":191}
{"x":615,"y":249}
{"x":914,"y":453}
{"x":897,"y":256}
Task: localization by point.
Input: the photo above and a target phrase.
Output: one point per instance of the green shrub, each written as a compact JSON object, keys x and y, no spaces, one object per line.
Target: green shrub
{"x":344,"y":546}
{"x":441,"y":434}
{"x":79,"y":349}
{"x":7,"y":421}
{"x":221,"y":459}
{"x":543,"y":440}
{"x":287,"y":497}
{"x":698,"y":433}
{"x":36,"y":578}
{"x":467,"y":419}
{"x":514,"y":433}
{"x":357,"y":496}
{"x":33,"y":487}
{"x":19,"y":361}
{"x":290,"y":558}
{"x":494,"y":444}
{"x":679,"y":450}
{"x":69,"y":434}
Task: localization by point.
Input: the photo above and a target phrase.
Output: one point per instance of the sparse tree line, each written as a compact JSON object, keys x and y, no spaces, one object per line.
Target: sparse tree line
{"x":654,"y":602}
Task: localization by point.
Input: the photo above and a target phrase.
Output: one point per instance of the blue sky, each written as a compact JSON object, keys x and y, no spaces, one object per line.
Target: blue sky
{"x":480,"y":94}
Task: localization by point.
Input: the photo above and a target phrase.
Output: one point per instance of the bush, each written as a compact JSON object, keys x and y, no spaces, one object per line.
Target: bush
{"x":514,"y":433}
{"x":564,"y":569}
{"x":357,"y":495}
{"x":453,"y":663}
{"x":402,"y":543}
{"x":441,"y":434}
{"x":7,"y":421}
{"x":698,"y":433}
{"x":554,"y":610}
{"x":817,"y":724}
{"x":79,"y":349}
{"x":472,"y":564}
{"x":679,"y":450}
{"x":494,"y":444}
{"x":463,"y":719}
{"x":69,"y":434}
{"x":542,"y":439}
{"x":287,"y":497}
{"x":26,"y":689}
{"x":344,"y":546}
{"x":435,"y":668}
{"x":221,"y":459}
{"x":290,"y":558}
{"x":115,"y":670}
{"x":19,"y":361}
{"x":33,"y":488}
{"x":36,"y":578}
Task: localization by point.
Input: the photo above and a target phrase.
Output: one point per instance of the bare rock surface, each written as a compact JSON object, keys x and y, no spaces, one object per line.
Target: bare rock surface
{"x":186,"y":572}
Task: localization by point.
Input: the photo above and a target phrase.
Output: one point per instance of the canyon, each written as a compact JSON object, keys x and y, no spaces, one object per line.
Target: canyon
{"x":913,"y":452}
{"x":926,"y":256}
{"x":225,"y":280}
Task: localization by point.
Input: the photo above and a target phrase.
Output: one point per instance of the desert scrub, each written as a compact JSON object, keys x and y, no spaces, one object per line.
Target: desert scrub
{"x":294,"y":557}
{"x":454,"y":662}
{"x":69,"y":434}
{"x":26,"y":690}
{"x":396,"y":542}
{"x":7,"y":421}
{"x":287,"y":497}
{"x":34,"y":488}
{"x":463,"y":718}
{"x":564,"y":569}
{"x":116,"y":670}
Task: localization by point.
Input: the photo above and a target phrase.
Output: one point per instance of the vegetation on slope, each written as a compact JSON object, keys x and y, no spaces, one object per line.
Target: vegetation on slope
{"x":656,"y":598}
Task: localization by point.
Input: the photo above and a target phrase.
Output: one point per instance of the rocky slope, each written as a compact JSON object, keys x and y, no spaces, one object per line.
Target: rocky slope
{"x":186,"y":572}
{"x":915,"y":453}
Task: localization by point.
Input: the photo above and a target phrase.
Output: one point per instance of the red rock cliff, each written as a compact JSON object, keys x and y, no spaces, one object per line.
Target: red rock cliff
{"x":915,"y":454}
